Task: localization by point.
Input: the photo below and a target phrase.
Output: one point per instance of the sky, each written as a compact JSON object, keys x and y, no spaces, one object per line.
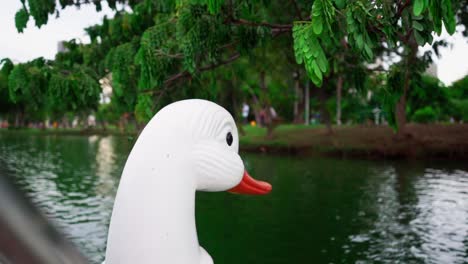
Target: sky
{"x":36,"y":42}
{"x":453,"y":62}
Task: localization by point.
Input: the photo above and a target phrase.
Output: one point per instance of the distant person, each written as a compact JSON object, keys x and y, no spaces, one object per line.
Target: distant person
{"x":273,"y":113}
{"x":91,"y":121}
{"x":245,"y":112}
{"x":262,"y":115}
{"x":376,"y":111}
{"x":75,"y":122}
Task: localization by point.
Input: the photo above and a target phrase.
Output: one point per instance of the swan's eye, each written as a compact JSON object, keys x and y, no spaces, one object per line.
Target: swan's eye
{"x":229,"y":138}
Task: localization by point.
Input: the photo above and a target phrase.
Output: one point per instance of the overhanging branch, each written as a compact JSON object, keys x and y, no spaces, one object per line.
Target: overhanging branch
{"x":276,"y":29}
{"x":298,"y":10}
{"x":401,"y":8}
{"x":240,"y":21}
{"x":168,"y":83}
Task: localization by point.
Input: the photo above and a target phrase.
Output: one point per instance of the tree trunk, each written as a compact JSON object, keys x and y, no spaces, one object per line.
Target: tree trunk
{"x":255,"y":106}
{"x":326,"y":118}
{"x":17,"y":119}
{"x":237,"y":109}
{"x":307,"y":104}
{"x":104,"y":125}
{"x":400,"y":115}
{"x":339,"y":88}
{"x":400,"y":107}
{"x":268,"y":118}
{"x":298,"y":103}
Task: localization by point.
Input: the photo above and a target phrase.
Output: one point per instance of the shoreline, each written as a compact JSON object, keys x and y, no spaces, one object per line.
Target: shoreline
{"x":435,"y":141}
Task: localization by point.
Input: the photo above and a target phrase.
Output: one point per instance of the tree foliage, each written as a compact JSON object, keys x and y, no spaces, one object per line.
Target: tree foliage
{"x":458,"y":93}
{"x":162,"y":45}
{"x":459,"y":89}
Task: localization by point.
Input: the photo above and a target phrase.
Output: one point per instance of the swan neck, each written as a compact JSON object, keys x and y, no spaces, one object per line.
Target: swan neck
{"x":154,"y":217}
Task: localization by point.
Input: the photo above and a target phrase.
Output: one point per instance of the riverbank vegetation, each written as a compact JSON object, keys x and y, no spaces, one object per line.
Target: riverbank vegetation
{"x":441,"y":141}
{"x":366,"y":141}
{"x":322,"y":62}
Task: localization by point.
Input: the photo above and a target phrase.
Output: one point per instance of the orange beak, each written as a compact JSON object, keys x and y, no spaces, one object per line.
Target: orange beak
{"x":249,"y":185}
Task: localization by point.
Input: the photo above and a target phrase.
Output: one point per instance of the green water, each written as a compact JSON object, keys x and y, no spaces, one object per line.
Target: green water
{"x":320,"y":211}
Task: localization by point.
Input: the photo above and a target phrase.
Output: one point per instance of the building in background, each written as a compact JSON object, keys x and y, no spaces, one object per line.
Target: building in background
{"x":61,"y":47}
{"x":106,"y":85}
{"x":432,"y":70}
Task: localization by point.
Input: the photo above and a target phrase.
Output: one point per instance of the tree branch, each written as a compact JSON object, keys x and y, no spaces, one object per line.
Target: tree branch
{"x":368,"y":69}
{"x":174,"y":56}
{"x":274,"y":27}
{"x":405,"y":38}
{"x":167,"y":84}
{"x":298,"y":10}
{"x":184,"y":74}
{"x":401,"y":8}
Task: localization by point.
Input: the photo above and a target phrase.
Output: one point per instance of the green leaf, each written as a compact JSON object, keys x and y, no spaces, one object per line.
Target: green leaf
{"x":335,"y":66}
{"x":214,"y":6}
{"x":317,"y":25}
{"x":438,"y":28}
{"x":315,"y":46}
{"x":359,"y":41}
{"x":449,"y":17}
{"x":298,"y":58}
{"x":418,"y":7}
{"x":417,"y":26}
{"x":435,"y":10}
{"x":368,"y":51}
{"x":317,"y":8}
{"x":314,"y":78}
{"x":21,"y":19}
{"x":317,"y":70}
{"x":419,"y":39}
{"x":430,"y":39}
{"x":340,"y":4}
{"x":350,"y":21}
{"x":322,"y":62}
{"x":318,"y":49}
{"x":317,"y":81}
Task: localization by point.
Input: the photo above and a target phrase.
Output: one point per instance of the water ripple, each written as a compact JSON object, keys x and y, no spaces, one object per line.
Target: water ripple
{"x":326,"y":211}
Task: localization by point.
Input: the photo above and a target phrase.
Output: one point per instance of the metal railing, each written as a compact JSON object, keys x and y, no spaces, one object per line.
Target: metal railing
{"x":26,"y":236}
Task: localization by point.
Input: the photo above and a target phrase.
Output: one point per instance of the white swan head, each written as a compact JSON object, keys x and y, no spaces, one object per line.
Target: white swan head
{"x":187,"y":146}
{"x":202,"y":135}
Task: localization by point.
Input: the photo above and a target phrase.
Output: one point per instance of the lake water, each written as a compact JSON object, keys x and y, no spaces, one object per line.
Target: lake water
{"x":320,"y":211}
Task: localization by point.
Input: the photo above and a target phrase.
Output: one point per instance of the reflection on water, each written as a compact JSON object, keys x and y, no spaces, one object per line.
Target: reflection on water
{"x":443,"y":207}
{"x":105,"y":165}
{"x":320,"y":210}
{"x":420,"y":215}
{"x":72,"y":179}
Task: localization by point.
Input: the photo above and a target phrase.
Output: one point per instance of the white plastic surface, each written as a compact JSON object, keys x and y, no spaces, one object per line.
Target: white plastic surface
{"x":182,"y":149}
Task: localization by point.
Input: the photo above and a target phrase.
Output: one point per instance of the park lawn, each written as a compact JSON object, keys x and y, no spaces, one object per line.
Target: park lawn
{"x":435,"y":140}
{"x":79,"y":131}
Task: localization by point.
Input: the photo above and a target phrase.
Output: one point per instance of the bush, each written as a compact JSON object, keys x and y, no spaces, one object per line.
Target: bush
{"x":461,"y":109}
{"x":425,"y":115}
{"x":459,"y":89}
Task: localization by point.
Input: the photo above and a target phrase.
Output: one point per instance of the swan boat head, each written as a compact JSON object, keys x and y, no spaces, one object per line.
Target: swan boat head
{"x":188,"y":146}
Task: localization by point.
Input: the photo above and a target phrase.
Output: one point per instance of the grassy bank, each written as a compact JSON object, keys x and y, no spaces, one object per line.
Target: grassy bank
{"x":435,"y":141}
{"x":71,"y":131}
{"x":422,"y":141}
